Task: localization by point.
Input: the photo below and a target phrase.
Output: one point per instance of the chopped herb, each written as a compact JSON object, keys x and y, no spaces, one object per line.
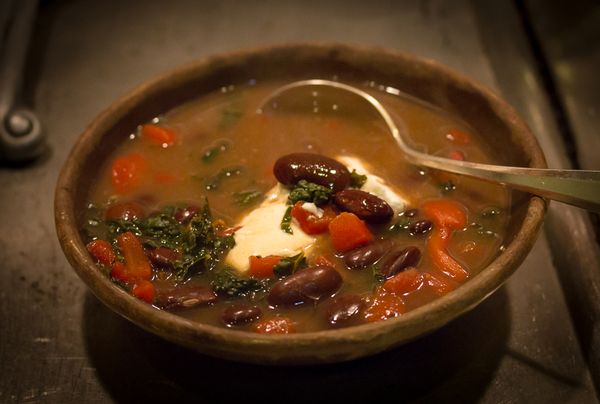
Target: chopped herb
{"x":229,"y":117}
{"x":212,"y":152}
{"x":286,"y":221}
{"x":289,"y":265}
{"x":357,"y":180}
{"x":214,"y":182}
{"x":227,"y":283}
{"x":309,"y":192}
{"x":203,"y":248}
{"x":447,"y":186}
{"x":247,"y":198}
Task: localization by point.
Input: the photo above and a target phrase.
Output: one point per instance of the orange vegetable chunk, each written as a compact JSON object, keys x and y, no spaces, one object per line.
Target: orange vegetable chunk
{"x":311,"y":224}
{"x":262,"y":267}
{"x":158,"y":135}
{"x":458,"y":136}
{"x":136,"y":262}
{"x":119,"y":272}
{"x":144,"y":290}
{"x":404,"y":282}
{"x":127,"y":172}
{"x":348,"y":232}
{"x":446,"y":215}
{"x":102,"y":252}
{"x":275,"y":325}
{"x":383,"y":305}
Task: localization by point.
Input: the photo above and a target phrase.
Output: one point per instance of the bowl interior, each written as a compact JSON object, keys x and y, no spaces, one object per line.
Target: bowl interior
{"x":502,"y":129}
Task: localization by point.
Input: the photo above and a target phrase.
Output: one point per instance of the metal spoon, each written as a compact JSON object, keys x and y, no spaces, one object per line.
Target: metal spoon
{"x":575,"y":187}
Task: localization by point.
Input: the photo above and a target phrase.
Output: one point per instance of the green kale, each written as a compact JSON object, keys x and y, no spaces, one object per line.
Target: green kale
{"x":212,"y":152}
{"x":289,"y":265}
{"x":357,"y":180}
{"x":215,"y":181}
{"x":309,"y":192}
{"x":226,"y":283}
{"x":286,"y":221}
{"x":202,"y":247}
{"x":229,"y":117}
{"x":247,"y":198}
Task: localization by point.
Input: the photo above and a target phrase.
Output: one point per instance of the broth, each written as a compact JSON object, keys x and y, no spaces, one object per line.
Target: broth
{"x":223,"y":150}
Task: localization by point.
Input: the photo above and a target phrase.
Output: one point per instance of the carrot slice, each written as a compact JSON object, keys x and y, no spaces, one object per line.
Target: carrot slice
{"x":127,"y":172}
{"x":348,"y":232}
{"x":445,"y":213}
{"x":458,"y":136}
{"x":165,"y":178}
{"x":310,"y":223}
{"x":144,"y":290}
{"x":275,"y":325}
{"x":456,"y":155}
{"x":439,"y":286}
{"x":119,"y":272}
{"x":382,"y":306}
{"x":262,"y":267}
{"x":404,"y":282}
{"x":102,"y":252}
{"x":136,"y":261}
{"x":158,"y":135}
{"x":437,"y":250}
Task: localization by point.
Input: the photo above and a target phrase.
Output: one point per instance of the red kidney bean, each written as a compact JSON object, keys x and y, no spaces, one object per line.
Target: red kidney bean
{"x":240,"y":314}
{"x":310,"y":284}
{"x":366,"y":206}
{"x":420,"y":227}
{"x":125,"y":211}
{"x":162,"y":257}
{"x":185,"y":296}
{"x":315,"y":168}
{"x":398,"y":260}
{"x":364,"y":256}
{"x":185,"y":215}
{"x":344,"y":310}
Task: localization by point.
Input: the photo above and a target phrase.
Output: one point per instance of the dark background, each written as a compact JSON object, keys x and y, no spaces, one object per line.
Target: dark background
{"x":537,"y":339}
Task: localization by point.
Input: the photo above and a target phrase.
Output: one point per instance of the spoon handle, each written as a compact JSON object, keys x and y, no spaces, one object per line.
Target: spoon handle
{"x":574,"y":187}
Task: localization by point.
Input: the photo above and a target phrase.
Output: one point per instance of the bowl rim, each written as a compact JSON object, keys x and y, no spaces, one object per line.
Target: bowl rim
{"x":200,"y":336}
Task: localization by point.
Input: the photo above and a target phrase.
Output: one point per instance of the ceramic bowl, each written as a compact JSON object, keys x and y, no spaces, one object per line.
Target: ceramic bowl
{"x":503,"y":129}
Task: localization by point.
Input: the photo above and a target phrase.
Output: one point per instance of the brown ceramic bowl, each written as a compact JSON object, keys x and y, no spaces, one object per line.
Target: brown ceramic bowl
{"x":483,"y":110}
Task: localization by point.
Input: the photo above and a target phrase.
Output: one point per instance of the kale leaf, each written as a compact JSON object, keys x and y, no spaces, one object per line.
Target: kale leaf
{"x":309,"y":192}
{"x":225,"y":282}
{"x":247,"y":198}
{"x":212,"y":183}
{"x":286,"y":221}
{"x":289,"y":265}
{"x":202,"y":247}
{"x":213,"y":151}
{"x":357,"y":180}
